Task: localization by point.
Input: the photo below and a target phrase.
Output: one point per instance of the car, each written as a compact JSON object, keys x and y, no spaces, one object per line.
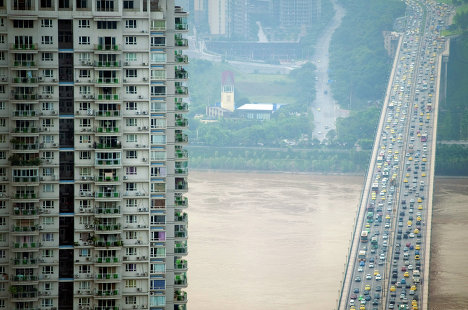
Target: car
{"x":371,"y":265}
{"x":353,"y":296}
{"x":378,"y":288}
{"x":392,"y":288}
{"x":403,"y":268}
{"x":360,"y":269}
{"x":356,"y":290}
{"x":367,"y":287}
{"x":410,"y":267}
{"x":357,"y":279}
{"x":378,"y":277}
{"x":368,"y":276}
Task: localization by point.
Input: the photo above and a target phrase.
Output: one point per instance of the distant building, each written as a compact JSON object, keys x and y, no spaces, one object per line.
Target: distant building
{"x":257,"y":111}
{"x":294,"y":13}
{"x":218,"y":17}
{"x":227,"y":91}
{"x":217,"y":112}
{"x":391,"y":42}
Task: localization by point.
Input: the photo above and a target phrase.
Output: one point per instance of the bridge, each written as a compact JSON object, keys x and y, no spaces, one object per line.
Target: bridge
{"x":389,"y":256}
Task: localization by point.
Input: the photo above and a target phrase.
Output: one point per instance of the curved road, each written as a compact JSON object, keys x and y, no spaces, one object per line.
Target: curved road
{"x":325,"y":109}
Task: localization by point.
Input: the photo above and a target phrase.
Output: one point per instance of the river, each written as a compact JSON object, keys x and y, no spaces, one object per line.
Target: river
{"x":267,"y":241}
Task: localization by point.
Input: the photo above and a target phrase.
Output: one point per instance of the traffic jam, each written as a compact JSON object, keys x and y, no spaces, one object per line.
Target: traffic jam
{"x":389,"y":263}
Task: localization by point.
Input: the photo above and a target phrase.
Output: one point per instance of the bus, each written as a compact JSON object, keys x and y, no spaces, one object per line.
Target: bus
{"x":364,"y":236}
{"x":423,"y":137}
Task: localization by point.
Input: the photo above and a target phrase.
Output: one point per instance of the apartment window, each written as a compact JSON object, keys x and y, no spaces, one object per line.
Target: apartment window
{"x":85,"y":122}
{"x":131,"y":203}
{"x":130,"y":234}
{"x":81,"y":4}
{"x":47,"y":122}
{"x":85,"y":90}
{"x":47,"y":57}
{"x":2,"y":155}
{"x":47,"y":90}
{"x":131,"y":89}
{"x":48,"y":73}
{"x":128,"y":4}
{"x":130,"y":300}
{"x":130,"y":267}
{"x":158,"y":74}
{"x":2,"y":105}
{"x":85,"y":139}
{"x":130,"y":23}
{"x":47,"y":253}
{"x":47,"y":269}
{"x":158,"y":57}
{"x":130,"y":251}
{"x":84,"y":106}
{"x":130,"y":40}
{"x":131,"y":106}
{"x":131,"y":154}
{"x":48,"y":154}
{"x":158,"y":284}
{"x":47,"y":40}
{"x":105,"y":5}
{"x":2,"y":89}
{"x":131,"y":171}
{"x":130,"y":57}
{"x":131,"y":122}
{"x":47,"y":106}
{"x":85,"y":57}
{"x":84,"y":40}
{"x":132,"y":138}
{"x":2,"y":122}
{"x":23,"y":24}
{"x":85,"y":73}
{"x":130,"y":187}
{"x":46,"y":4}
{"x":130,"y":283}
{"x":85,"y":155}
{"x":46,"y":23}
{"x":158,"y":41}
{"x":131,"y":219}
{"x":84,"y":253}
{"x":47,"y":302}
{"x":84,"y":269}
{"x":131,"y":73}
{"x":48,"y":188}
{"x":158,"y":25}
{"x":46,"y":172}
{"x":48,"y":220}
{"x":48,"y":204}
{"x":64,"y":4}
{"x":106,"y":24}
{"x":2,"y":255}
{"x":83,"y":23}
{"x":83,"y":301}
{"x":2,"y":55}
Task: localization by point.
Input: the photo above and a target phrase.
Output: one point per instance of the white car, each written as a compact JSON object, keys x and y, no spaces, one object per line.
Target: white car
{"x":368,"y":276}
{"x":378,"y":277}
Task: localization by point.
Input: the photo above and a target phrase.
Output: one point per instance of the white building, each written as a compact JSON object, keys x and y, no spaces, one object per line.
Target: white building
{"x":92,"y":166}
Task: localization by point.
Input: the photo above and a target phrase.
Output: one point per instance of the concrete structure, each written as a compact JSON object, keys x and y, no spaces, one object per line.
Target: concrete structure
{"x":93,"y":169}
{"x":257,"y":111}
{"x":218,"y":17}
{"x":293,"y":13}
{"x":391,"y":39}
{"x":227,"y":91}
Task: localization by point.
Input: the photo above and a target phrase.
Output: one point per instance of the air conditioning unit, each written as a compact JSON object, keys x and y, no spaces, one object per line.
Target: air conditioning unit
{"x":125,"y":177}
{"x":82,"y":194}
{"x":143,"y":257}
{"x":54,"y":80}
{"x":137,"y":145}
{"x":145,"y":64}
{"x":83,"y":62}
{"x":139,"y":128}
{"x":144,"y":78}
{"x":145,"y":127}
{"x":124,"y":80}
{"x":137,"y":112}
{"x":41,"y":227}
{"x":86,"y":226}
{"x":48,"y":96}
{"x":144,"y":159}
{"x":77,"y":81}
{"x":39,"y":96}
{"x":85,"y":243}
{"x":88,"y":275}
{"x":53,"y":112}
{"x":125,"y":258}
{"x":40,"y":78}
{"x":54,"y":145}
{"x":46,"y":276}
{"x":126,"y":63}
{"x":41,"y":178}
{"x":88,"y":258}
{"x":84,"y":96}
{"x":140,"y":97}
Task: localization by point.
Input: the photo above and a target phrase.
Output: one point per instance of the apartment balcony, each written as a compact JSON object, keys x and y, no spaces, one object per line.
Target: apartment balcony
{"x":181,"y":27}
{"x":180,"y":41}
{"x":18,"y":96}
{"x":25,"y":246}
{"x":181,"y":58}
{"x":25,"y":230}
{"x":180,"y":281}
{"x":25,"y":146}
{"x":107,"y":82}
{"x":26,"y":196}
{"x":107,"y":294}
{"x":180,"y":297}
{"x":107,"y":277}
{"x":181,"y":217}
{"x":109,"y":146}
{"x":107,"y":130}
{"x":182,"y":235}
{"x":181,"y":121}
{"x":179,"y":11}
{"x":107,"y":195}
{"x":108,"y":162}
{"x":180,"y":248}
{"x":107,"y":260}
{"x":182,"y":171}
{"x":180,"y":74}
{"x":24,"y":296}
{"x":25,"y":130}
{"x":181,"y":202}
{"x":106,"y":47}
{"x":33,"y":179}
{"x":181,"y":90}
{"x":107,"y":179}
{"x":107,"y":64}
{"x":24,"y":80}
{"x":23,"y":47}
{"x":112,"y":228}
{"x":107,"y":97}
{"x":181,"y":154}
{"x":105,"y":308}
{"x":111,"y":113}
{"x":24,"y":212}
{"x":181,"y":106}
{"x":24,"y":279}
{"x":181,"y":138}
{"x":25,"y":64}
{"x":106,"y":244}
{"x":108,"y":210}
{"x":180,"y":265}
{"x":25,"y":262}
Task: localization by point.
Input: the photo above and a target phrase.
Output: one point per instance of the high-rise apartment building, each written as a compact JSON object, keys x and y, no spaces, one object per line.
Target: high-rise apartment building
{"x":93,"y":169}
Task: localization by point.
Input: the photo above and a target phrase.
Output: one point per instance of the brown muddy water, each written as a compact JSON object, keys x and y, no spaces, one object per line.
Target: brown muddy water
{"x":267,"y":241}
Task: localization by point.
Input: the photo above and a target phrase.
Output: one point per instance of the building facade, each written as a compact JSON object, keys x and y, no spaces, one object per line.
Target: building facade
{"x":93,"y":169}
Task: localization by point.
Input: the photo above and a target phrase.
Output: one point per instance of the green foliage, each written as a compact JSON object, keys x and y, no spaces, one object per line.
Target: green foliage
{"x":285,"y":159}
{"x":452,"y":160}
{"x":359,"y":64}
{"x":453,"y":113}
{"x":358,"y":127}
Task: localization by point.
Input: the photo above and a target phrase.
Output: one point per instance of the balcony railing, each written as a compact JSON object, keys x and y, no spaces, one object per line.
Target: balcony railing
{"x":180,"y":264}
{"x":108,"y":227}
{"x":181,"y":74}
{"x":25,"y":211}
{"x":108,"y":113}
{"x":24,"y":295}
{"x":107,"y":260}
{"x":107,"y":195}
{"x":24,"y":63}
{"x":181,"y":201}
{"x":101,"y":243}
{"x":108,"y":81}
{"x":181,"y":122}
{"x":181,"y":217}
{"x":181,"y":26}
{"x":181,"y":138}
{"x":108,"y":162}
{"x":107,"y":179}
{"x":106,"y":47}
{"x":25,"y":130}
{"x":181,"y":90}
{"x":32,"y":228}
{"x":107,"y":97}
{"x":107,"y":276}
{"x":180,"y":296}
{"x":24,"y":80}
{"x":180,"y":42}
{"x":181,"y":154}
{"x":25,"y":196}
{"x":25,"y":146}
{"x":106,"y":293}
{"x":24,"y":261}
{"x":116,"y":145}
{"x":23,"y":96}
{"x":28,"y":113}
{"x":183,"y":170}
{"x":107,"y":129}
{"x":25,"y":245}
{"x":181,"y":106}
{"x":25,"y":278}
{"x":107,"y":64}
{"x":32,"y":46}
{"x":25,"y":179}
{"x":114,"y":210}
